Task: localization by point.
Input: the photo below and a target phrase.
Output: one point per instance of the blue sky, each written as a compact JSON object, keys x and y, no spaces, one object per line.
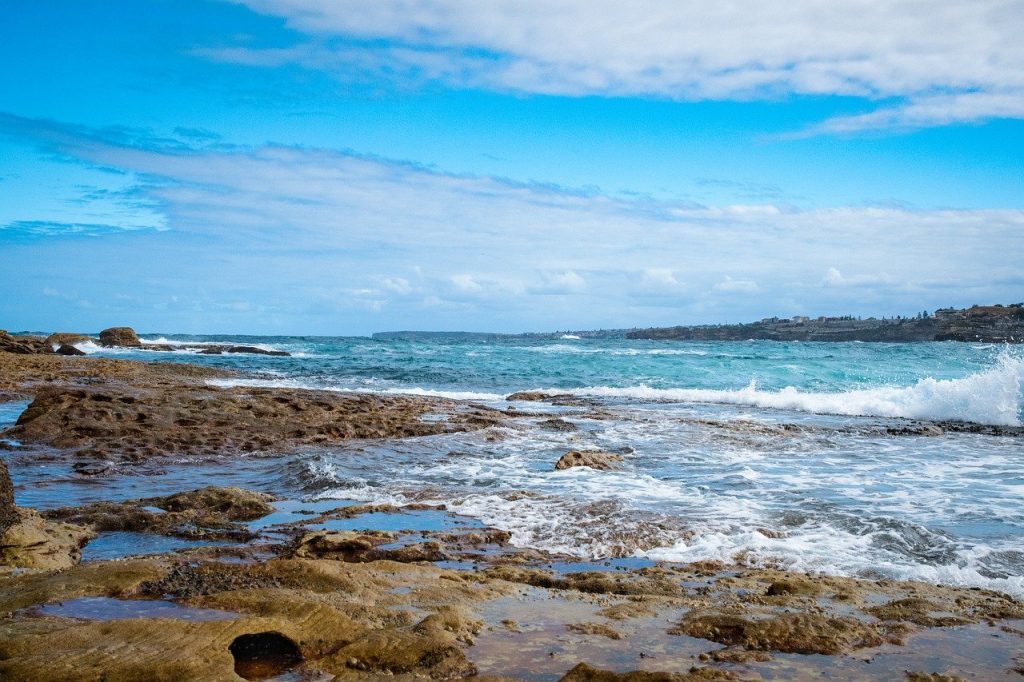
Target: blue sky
{"x":332,"y":167}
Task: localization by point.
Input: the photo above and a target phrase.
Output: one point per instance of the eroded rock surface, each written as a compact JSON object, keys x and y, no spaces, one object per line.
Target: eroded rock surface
{"x":8,"y":514}
{"x":208,"y":513}
{"x":34,"y":542}
{"x":25,"y":374}
{"x":795,"y":633}
{"x":595,"y":459}
{"x":133,"y":424}
{"x":587,"y":673}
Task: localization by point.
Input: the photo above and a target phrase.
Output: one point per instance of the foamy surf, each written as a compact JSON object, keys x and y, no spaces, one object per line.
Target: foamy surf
{"x":993,"y":396}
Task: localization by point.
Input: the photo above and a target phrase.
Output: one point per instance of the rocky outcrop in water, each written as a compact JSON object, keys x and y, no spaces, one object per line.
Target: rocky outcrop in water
{"x":120,"y":337}
{"x":67,"y":339}
{"x":595,"y":459}
{"x":67,"y":349}
{"x":251,"y":350}
{"x":134,"y":424}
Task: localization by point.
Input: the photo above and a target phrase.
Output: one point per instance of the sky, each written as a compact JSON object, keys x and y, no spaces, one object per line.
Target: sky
{"x":336,"y":167}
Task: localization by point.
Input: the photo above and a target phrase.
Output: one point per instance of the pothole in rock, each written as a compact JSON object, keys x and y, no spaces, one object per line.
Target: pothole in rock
{"x":263,"y":655}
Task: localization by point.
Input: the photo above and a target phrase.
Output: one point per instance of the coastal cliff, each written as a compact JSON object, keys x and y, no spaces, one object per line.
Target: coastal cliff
{"x":987,"y":324}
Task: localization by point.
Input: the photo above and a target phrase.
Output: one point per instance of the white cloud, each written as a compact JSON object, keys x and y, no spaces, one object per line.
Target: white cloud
{"x":398,"y":285}
{"x":321,"y":228}
{"x":947,"y":61}
{"x":466,"y":284}
{"x":660,"y":279}
{"x":834,"y":278}
{"x":731,"y":285}
{"x":559,"y":283}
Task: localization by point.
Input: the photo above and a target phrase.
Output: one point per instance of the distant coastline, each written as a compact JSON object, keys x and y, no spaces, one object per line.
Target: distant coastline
{"x":985,"y":324}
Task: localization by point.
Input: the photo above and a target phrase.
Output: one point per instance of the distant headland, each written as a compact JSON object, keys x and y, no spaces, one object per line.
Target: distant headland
{"x":987,"y":324}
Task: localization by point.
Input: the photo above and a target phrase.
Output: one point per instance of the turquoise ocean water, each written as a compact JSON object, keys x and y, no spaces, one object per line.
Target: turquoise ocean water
{"x":789,"y":454}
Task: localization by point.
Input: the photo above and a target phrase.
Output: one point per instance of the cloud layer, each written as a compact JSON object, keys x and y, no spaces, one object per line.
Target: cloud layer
{"x":313,"y":240}
{"x":927,"y":63}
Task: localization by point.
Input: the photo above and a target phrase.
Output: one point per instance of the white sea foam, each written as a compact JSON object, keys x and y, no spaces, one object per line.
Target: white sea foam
{"x":992,"y":396}
{"x":832,"y":551}
{"x":565,"y":348}
{"x":195,"y":347}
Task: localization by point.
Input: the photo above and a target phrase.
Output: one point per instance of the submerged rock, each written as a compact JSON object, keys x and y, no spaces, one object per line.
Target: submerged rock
{"x":595,"y":459}
{"x":124,"y":337}
{"x":250,"y":350}
{"x":557,"y":425}
{"x":599,"y":629}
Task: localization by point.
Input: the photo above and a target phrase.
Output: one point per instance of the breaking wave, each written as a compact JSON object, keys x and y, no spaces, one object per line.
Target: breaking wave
{"x":992,"y":396}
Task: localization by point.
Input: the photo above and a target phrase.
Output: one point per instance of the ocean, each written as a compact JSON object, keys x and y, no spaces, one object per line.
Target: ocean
{"x":795,"y":455}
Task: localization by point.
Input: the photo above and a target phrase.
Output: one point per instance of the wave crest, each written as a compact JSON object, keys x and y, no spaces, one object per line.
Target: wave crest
{"x":992,"y":396}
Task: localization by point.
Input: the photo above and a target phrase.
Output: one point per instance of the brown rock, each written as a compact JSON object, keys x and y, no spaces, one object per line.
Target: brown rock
{"x":120,"y":337}
{"x":34,"y":542}
{"x":25,"y":374}
{"x":528,"y":395}
{"x":917,"y":611}
{"x":794,"y":586}
{"x":254,"y":350}
{"x":8,"y":512}
{"x":208,"y":513}
{"x":793,"y":633}
{"x":64,"y":338}
{"x":595,"y":459}
{"x":66,"y":349}
{"x":591,"y":582}
{"x":586,"y":673}
{"x":599,"y":629}
{"x":23,"y":345}
{"x":233,"y":504}
{"x":355,"y":547}
{"x":557,"y":425}
{"x":118,"y":423}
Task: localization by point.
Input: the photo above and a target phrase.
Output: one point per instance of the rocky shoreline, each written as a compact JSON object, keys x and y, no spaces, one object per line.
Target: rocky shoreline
{"x":63,"y":343}
{"x":297,"y":590}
